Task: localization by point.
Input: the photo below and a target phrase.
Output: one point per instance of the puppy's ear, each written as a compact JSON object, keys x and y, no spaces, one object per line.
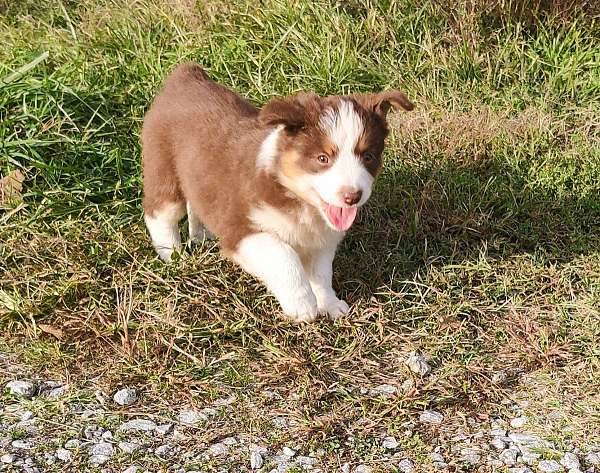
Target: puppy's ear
{"x":291,"y":112}
{"x":380,"y":103}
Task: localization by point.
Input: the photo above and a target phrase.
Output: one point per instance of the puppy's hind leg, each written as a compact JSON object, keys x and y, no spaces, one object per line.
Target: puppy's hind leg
{"x":198,"y":232}
{"x":164,"y":230}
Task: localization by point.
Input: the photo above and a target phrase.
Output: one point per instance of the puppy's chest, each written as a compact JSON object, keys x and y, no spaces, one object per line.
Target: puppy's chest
{"x":302,"y":228}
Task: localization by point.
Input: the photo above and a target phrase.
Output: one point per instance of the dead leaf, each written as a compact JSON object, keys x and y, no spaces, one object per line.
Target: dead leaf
{"x":52,"y":330}
{"x":11,"y":187}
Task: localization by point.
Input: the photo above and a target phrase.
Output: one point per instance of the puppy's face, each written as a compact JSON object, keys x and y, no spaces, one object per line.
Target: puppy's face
{"x":329,"y":150}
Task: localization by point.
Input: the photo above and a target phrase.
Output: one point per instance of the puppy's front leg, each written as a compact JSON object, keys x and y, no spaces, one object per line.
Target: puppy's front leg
{"x":279,"y":267}
{"x":320,"y":274}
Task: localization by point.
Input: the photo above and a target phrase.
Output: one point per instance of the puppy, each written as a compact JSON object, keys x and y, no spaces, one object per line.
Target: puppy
{"x":279,"y":186}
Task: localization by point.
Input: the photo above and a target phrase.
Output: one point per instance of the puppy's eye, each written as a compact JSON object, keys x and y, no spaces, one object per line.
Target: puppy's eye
{"x":368,"y":157}
{"x":323,"y":159}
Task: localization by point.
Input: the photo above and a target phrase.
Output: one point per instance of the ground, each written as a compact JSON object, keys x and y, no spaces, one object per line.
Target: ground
{"x":479,"y":249}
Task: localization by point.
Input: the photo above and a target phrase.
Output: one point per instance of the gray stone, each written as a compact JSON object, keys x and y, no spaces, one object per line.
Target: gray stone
{"x":8,"y":458}
{"x":107,"y":435}
{"x":385,"y":389}
{"x":346,"y":468}
{"x":191,"y":417}
{"x":64,"y":455}
{"x":509,"y":457}
{"x":362,"y":469}
{"x":164,"y":450}
{"x":498,"y":443}
{"x":72,"y":444}
{"x":280,"y":422}
{"x":21,"y":388}
{"x":593,"y":458}
{"x":520,"y":469}
{"x":470,"y":455}
{"x":431,"y":417}
{"x":307,"y":462}
{"x":164,"y":429}
{"x":139,"y":425}
{"x":26,"y":416}
{"x":570,"y":461}
{"x":418,"y":364}
{"x":440,"y":465}
{"x":530,"y":458}
{"x":498,"y":432}
{"x":98,"y":459}
{"x":437,"y":457}
{"x":102,"y":449}
{"x":518,"y":422}
{"x":128,"y":447}
{"x":406,"y":466}
{"x":22,"y":444}
{"x":58,"y":392}
{"x":229,"y":441}
{"x":550,"y":466}
{"x":390,"y":443}
{"x":218,"y":449}
{"x":288,"y":452}
{"x":125,"y":397}
{"x":529,"y":440}
{"x":256,"y":460}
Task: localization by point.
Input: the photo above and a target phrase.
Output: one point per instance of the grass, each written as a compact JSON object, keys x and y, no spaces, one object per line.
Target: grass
{"x":479,"y":247}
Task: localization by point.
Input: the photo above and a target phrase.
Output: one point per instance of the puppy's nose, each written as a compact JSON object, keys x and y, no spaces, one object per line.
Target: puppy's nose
{"x":352,"y":197}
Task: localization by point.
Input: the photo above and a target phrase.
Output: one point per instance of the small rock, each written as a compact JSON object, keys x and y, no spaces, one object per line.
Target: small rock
{"x":406,"y":466}
{"x":226,"y":401}
{"x":164,"y":450}
{"x":529,"y":440}
{"x":498,"y":432}
{"x":21,"y":388}
{"x":108,"y":435}
{"x":530,"y":458}
{"x":128,"y":447}
{"x":407,"y":385}
{"x":499,"y":377}
{"x":518,"y":422}
{"x":26,"y":416}
{"x":218,"y":449}
{"x":280,"y":422}
{"x":72,"y":444}
{"x":386,"y":389}
{"x":191,"y":417}
{"x":362,"y":469}
{"x":132,"y":469}
{"x":498,"y":443}
{"x":390,"y":443}
{"x":550,"y":466}
{"x":307,"y":462}
{"x":470,"y":456}
{"x":102,"y":449}
{"x":418,"y":364}
{"x":437,"y":457}
{"x":164,"y":429}
{"x":125,"y":397}
{"x":64,"y":455}
{"x":256,"y":460}
{"x":431,"y":417}
{"x":520,"y":469}
{"x":8,"y":458}
{"x":288,"y":452}
{"x":570,"y":461}
{"x":593,"y":458}
{"x":441,"y":465}
{"x":345,"y":468}
{"x":229,"y":441}
{"x":22,"y":444}
{"x":98,"y":459}
{"x":58,"y":392}
{"x":509,"y":457}
{"x":141,"y":425}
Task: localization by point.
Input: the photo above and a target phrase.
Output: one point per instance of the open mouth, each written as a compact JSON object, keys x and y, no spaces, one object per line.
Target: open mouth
{"x":341,"y":218}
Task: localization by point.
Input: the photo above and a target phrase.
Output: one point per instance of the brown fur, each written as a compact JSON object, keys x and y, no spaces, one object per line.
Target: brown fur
{"x":200,"y":141}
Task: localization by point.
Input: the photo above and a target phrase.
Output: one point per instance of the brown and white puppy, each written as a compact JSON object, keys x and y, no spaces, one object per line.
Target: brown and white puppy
{"x":279,"y":186}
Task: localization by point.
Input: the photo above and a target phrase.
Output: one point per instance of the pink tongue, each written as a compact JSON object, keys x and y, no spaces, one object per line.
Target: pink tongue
{"x":341,"y":218}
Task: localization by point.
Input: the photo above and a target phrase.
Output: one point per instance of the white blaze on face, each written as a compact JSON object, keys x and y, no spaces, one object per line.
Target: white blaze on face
{"x":344,"y":128}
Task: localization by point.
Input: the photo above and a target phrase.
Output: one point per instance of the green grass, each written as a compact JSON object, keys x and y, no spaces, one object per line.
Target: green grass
{"x":479,"y":247}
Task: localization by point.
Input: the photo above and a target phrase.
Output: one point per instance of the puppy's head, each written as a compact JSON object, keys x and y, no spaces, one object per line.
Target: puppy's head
{"x":328,"y":151}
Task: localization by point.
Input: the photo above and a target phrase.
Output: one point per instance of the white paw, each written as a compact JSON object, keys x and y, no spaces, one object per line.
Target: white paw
{"x":302,"y":308}
{"x":333,"y":307}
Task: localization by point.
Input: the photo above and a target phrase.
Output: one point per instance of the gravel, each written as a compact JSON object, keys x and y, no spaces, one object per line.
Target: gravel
{"x":128,"y":447}
{"x":8,"y":458}
{"x":139,"y":425}
{"x":72,"y":444}
{"x":288,"y":452}
{"x":125,"y":397}
{"x":256,"y":460}
{"x":390,"y":443}
{"x":406,"y":466}
{"x":418,"y":364}
{"x":103,"y":448}
{"x":509,"y":457}
{"x":64,"y":455}
{"x":550,"y":466}
{"x":570,"y":461}
{"x":431,"y":417}
{"x":21,"y":388}
{"x":518,"y":422}
{"x":191,"y":417}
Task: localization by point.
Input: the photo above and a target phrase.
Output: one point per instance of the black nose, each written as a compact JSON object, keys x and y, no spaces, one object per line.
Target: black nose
{"x":352,"y":198}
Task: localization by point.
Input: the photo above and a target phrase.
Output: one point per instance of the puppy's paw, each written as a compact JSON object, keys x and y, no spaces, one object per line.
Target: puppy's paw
{"x":333,"y":307}
{"x":302,"y":308}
